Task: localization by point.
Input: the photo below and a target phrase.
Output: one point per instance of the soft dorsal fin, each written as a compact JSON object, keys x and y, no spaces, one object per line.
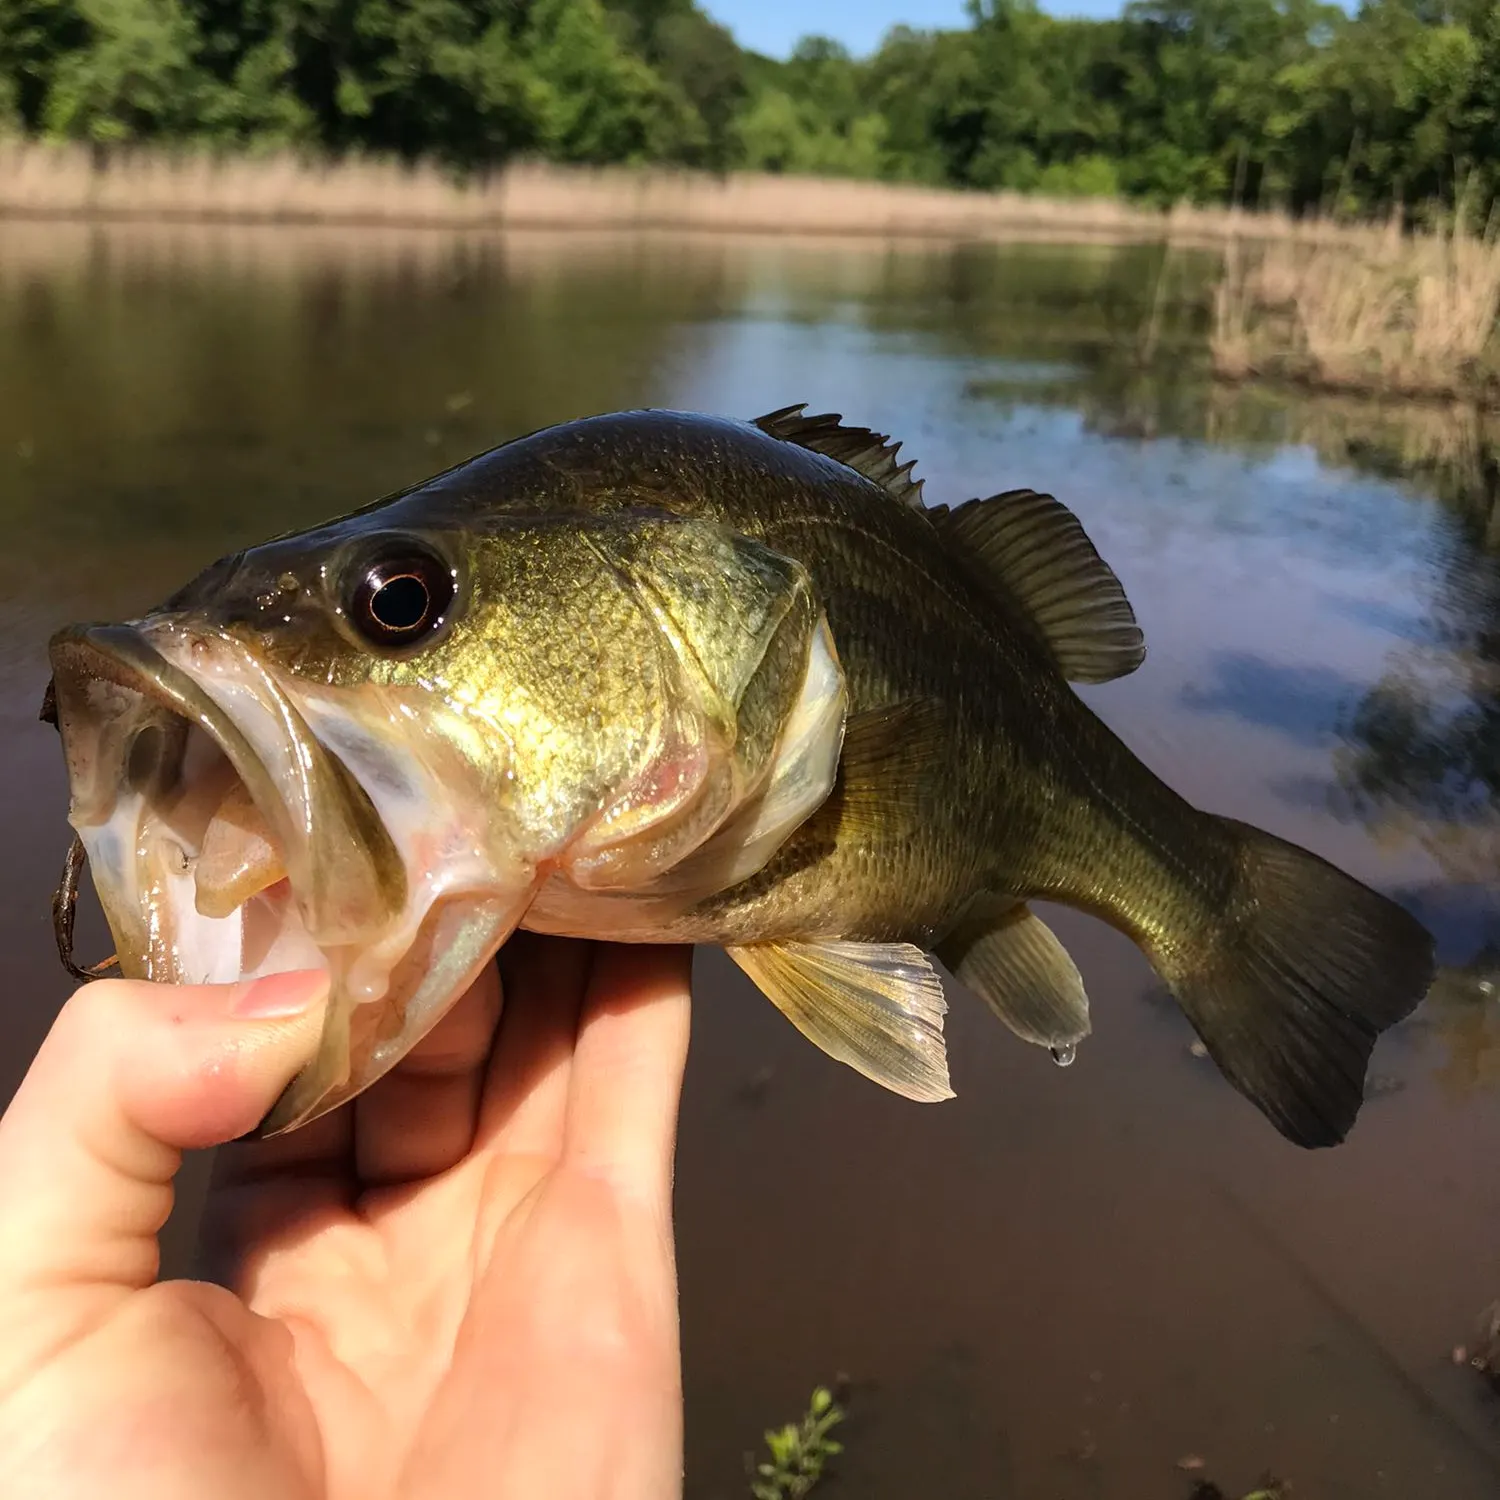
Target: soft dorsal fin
{"x":869,"y":453}
{"x":1037,"y":549}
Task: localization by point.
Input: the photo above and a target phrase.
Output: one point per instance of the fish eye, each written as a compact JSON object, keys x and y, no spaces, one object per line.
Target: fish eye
{"x":401,"y":597}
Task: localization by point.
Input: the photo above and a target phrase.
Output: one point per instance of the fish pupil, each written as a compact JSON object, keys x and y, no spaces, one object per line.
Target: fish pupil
{"x":401,"y":596}
{"x":400,"y":603}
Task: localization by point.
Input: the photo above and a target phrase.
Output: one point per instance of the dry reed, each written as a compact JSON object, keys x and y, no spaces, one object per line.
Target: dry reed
{"x":1379,"y":312}
{"x":59,"y":181}
{"x":1342,"y":305}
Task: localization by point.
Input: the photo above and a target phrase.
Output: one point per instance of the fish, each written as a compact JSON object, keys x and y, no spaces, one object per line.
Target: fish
{"x":673,"y":677}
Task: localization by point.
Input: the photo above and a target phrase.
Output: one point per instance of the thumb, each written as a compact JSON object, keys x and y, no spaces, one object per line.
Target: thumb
{"x":130,"y":1076}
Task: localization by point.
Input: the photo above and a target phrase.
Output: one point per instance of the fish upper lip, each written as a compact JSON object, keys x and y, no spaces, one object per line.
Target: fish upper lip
{"x":123,"y":655}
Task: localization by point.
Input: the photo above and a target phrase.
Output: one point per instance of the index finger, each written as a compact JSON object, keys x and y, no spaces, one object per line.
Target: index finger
{"x":626,"y":1080}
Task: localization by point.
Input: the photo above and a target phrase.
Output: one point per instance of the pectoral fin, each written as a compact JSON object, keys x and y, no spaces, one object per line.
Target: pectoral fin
{"x":1014,"y":962}
{"x":877,"y":1006}
{"x":891,"y":756}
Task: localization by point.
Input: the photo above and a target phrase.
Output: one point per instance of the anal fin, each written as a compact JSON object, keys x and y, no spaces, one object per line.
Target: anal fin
{"x":1015,"y":963}
{"x":877,"y":1006}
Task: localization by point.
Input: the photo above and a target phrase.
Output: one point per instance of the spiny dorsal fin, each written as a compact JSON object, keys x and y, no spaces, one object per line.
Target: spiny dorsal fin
{"x":1037,"y":549}
{"x":869,"y":453}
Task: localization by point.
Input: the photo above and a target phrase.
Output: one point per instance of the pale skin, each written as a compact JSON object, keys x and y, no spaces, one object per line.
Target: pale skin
{"x":461,"y":1284}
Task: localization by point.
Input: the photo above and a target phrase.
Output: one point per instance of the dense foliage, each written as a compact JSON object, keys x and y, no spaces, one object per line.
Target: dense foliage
{"x":1292,"y":102}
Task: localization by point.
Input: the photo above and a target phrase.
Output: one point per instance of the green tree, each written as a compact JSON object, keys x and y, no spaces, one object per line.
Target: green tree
{"x":132,"y":76}
{"x":814,"y":118}
{"x":1255,"y":101}
{"x":598,"y":101}
{"x":408,"y":77}
{"x":701,"y":60}
{"x":908,"y":84}
{"x":34,"y":34}
{"x":1392,"y":105}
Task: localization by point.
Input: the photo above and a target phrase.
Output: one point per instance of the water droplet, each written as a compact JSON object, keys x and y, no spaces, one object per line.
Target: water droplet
{"x":1063,"y":1056}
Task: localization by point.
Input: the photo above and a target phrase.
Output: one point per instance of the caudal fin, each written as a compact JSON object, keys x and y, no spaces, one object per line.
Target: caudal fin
{"x":1305,"y":971}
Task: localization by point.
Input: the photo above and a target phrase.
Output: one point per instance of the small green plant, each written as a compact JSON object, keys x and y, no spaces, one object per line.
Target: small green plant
{"x":799,"y":1451}
{"x":1270,"y":1489}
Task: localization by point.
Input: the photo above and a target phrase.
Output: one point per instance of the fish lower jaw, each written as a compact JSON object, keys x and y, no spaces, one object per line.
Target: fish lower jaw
{"x":163,"y":934}
{"x":385,"y":991}
{"x":196,"y":890}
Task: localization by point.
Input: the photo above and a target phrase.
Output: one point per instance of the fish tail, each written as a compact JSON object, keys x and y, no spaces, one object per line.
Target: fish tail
{"x":1302,"y":969}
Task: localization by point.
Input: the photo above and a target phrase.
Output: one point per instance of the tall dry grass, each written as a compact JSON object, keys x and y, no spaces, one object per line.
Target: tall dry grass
{"x":56,"y":181}
{"x":1370,"y":311}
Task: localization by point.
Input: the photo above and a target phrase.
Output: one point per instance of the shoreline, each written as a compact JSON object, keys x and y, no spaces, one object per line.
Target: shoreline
{"x":1481,"y":396}
{"x":1278,"y":313}
{"x":46,"y":182}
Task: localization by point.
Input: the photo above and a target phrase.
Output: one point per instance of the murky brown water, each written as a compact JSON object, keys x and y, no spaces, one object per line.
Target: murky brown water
{"x":1063,"y":1282}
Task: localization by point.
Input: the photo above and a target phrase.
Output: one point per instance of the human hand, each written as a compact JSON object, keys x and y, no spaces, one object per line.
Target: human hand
{"x":462,"y":1283}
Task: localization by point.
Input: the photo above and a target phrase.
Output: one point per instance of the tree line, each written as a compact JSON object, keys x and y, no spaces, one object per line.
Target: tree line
{"x":1290,"y":103}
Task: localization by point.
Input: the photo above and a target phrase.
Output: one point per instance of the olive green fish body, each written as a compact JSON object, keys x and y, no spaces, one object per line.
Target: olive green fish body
{"x":909,"y":623}
{"x":660,"y":676}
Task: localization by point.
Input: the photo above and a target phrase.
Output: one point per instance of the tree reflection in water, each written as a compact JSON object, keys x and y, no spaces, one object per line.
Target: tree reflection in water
{"x":1419,"y":755}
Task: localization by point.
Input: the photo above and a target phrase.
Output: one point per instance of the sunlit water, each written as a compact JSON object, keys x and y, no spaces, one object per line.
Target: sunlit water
{"x":1065,"y":1282}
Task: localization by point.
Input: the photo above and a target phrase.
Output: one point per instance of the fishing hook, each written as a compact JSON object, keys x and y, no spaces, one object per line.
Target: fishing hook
{"x":65,"y":909}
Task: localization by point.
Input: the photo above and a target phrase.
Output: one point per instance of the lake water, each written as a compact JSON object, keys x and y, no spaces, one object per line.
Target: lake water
{"x":1063,"y":1283}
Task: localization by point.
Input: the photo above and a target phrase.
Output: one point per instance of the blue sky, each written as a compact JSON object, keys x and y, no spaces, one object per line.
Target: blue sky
{"x":773,"y":26}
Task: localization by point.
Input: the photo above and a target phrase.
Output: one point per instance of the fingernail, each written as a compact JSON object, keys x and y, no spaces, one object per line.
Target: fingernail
{"x":279,"y":995}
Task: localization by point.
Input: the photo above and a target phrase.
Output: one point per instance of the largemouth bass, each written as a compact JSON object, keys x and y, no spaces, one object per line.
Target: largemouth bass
{"x":665,"y":677}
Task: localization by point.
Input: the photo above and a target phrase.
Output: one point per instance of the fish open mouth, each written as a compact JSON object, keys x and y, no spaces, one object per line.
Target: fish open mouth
{"x":228,"y":840}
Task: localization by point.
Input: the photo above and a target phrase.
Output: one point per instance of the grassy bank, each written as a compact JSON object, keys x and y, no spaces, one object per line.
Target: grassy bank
{"x":46,"y":181}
